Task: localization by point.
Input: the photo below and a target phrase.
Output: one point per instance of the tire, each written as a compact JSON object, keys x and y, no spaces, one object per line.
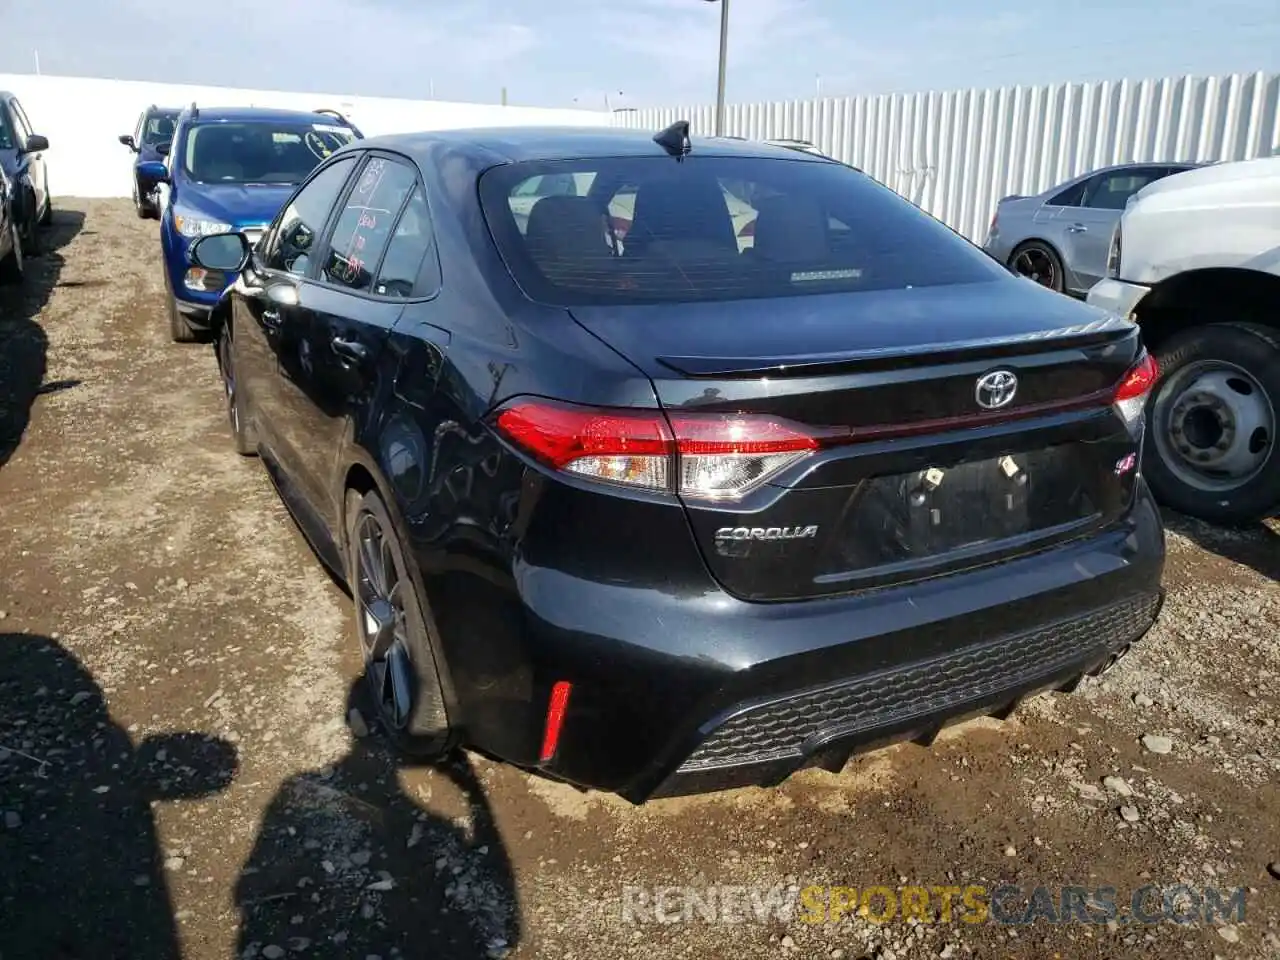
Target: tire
{"x":401,"y":679}
{"x":1217,"y":382}
{"x":243,"y":437}
{"x":31,"y":246}
{"x":46,"y":219}
{"x":180,"y":330}
{"x":12,"y":266}
{"x":1025,"y":258}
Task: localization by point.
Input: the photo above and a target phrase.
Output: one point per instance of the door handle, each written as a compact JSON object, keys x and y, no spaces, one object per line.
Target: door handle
{"x":1077,"y":228}
{"x":352,"y":350}
{"x":271,"y":319}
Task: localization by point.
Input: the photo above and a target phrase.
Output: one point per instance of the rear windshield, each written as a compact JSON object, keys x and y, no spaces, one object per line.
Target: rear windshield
{"x":258,"y":151}
{"x":651,"y":229}
{"x":158,"y":128}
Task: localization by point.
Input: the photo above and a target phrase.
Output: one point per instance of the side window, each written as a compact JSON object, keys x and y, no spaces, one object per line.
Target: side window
{"x":20,"y":121}
{"x":299,"y":225}
{"x":1072,"y":196}
{"x":1112,"y":191}
{"x":413,"y":240}
{"x":6,"y":128}
{"x":363,"y":228}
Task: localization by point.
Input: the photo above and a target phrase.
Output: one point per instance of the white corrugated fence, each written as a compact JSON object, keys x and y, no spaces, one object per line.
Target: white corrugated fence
{"x":956,"y":153}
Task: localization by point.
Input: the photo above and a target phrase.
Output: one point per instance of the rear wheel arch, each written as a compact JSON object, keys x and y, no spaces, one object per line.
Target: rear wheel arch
{"x":1214,"y":320}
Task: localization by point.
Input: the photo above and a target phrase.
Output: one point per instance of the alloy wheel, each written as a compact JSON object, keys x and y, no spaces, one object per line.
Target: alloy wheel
{"x":1036,"y":264}
{"x":380,"y":587}
{"x":229,"y":380}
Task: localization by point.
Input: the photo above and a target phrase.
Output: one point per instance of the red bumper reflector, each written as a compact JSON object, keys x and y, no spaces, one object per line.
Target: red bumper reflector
{"x":556,"y":707}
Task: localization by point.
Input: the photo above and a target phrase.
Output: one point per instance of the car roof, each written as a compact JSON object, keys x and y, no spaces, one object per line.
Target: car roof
{"x":1120,"y":168}
{"x":516,"y":144}
{"x":232,"y":114}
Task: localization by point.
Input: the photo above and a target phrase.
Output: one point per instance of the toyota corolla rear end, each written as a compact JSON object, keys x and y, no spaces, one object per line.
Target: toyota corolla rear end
{"x":873,"y":483}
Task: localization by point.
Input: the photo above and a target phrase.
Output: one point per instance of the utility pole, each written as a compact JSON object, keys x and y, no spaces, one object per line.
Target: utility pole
{"x":37,"y":55}
{"x":724,"y":55}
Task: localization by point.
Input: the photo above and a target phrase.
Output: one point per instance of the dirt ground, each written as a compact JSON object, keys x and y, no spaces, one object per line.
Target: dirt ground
{"x":178,"y":778}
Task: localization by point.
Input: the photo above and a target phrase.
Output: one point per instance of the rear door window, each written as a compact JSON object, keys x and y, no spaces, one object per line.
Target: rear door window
{"x":411,"y":267}
{"x":363,"y":228}
{"x":653,"y":229}
{"x":1112,"y":191}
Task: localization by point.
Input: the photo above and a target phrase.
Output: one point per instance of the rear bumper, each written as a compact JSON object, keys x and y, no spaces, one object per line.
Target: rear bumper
{"x":678,"y":692}
{"x":1117,"y":296}
{"x":766,"y":741}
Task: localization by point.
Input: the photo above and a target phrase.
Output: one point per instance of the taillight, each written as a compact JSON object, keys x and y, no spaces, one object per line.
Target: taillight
{"x":1131,"y":394}
{"x":708,"y":456}
{"x":1114,"y":253}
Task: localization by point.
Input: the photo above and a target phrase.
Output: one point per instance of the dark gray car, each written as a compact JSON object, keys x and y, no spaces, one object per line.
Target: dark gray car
{"x":1060,"y":238}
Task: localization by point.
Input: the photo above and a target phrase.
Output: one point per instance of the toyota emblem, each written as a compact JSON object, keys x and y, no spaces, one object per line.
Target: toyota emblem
{"x":996,"y":389}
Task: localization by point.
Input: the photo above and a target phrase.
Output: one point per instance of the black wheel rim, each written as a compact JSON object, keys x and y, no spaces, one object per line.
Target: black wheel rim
{"x":1035,"y":263}
{"x":229,"y":381}
{"x":382,"y":622}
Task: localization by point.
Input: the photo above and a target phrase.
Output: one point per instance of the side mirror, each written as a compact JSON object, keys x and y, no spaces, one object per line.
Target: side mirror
{"x":164,"y":148}
{"x":37,"y":143}
{"x":154,"y":171}
{"x":127,"y":140}
{"x":228,"y":252}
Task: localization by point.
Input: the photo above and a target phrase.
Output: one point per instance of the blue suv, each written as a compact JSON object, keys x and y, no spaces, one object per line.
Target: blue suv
{"x":149,"y":140}
{"x":230,"y":169}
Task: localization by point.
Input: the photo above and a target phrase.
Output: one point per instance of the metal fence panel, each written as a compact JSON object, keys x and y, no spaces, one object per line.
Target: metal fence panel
{"x":955,"y":153}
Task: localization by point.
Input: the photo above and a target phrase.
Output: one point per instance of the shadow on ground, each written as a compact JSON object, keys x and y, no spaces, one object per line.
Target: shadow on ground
{"x":346,"y":864}
{"x":81,"y":872}
{"x":1256,"y":546}
{"x":23,"y":343}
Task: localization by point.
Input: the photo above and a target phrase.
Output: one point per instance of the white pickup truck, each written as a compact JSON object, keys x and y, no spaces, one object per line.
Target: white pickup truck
{"x":1195,"y":261}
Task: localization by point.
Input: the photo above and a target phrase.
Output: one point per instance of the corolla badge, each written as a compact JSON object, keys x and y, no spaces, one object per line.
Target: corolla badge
{"x":996,"y":389}
{"x":766,"y":533}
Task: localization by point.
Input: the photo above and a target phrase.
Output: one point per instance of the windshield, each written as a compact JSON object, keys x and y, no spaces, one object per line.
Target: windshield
{"x":259,"y":151}
{"x":158,"y":129}
{"x":617,"y":230}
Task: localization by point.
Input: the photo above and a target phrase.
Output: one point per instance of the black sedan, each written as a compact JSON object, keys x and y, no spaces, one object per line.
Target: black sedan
{"x":710,"y":461}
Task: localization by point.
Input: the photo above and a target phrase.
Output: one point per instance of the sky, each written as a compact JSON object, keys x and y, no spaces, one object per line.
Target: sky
{"x":598,"y":53}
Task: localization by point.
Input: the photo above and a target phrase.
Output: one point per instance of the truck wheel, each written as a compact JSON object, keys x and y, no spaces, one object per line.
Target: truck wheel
{"x":1211,"y":423}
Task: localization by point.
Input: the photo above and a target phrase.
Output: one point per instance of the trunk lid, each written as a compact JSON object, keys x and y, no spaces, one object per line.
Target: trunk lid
{"x":913,"y":477}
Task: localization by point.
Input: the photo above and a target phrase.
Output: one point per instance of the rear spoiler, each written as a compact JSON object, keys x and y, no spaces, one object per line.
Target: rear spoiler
{"x":1106,"y":330}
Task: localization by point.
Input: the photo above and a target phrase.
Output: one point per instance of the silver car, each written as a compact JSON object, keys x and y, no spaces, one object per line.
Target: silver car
{"x":1060,"y":238}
